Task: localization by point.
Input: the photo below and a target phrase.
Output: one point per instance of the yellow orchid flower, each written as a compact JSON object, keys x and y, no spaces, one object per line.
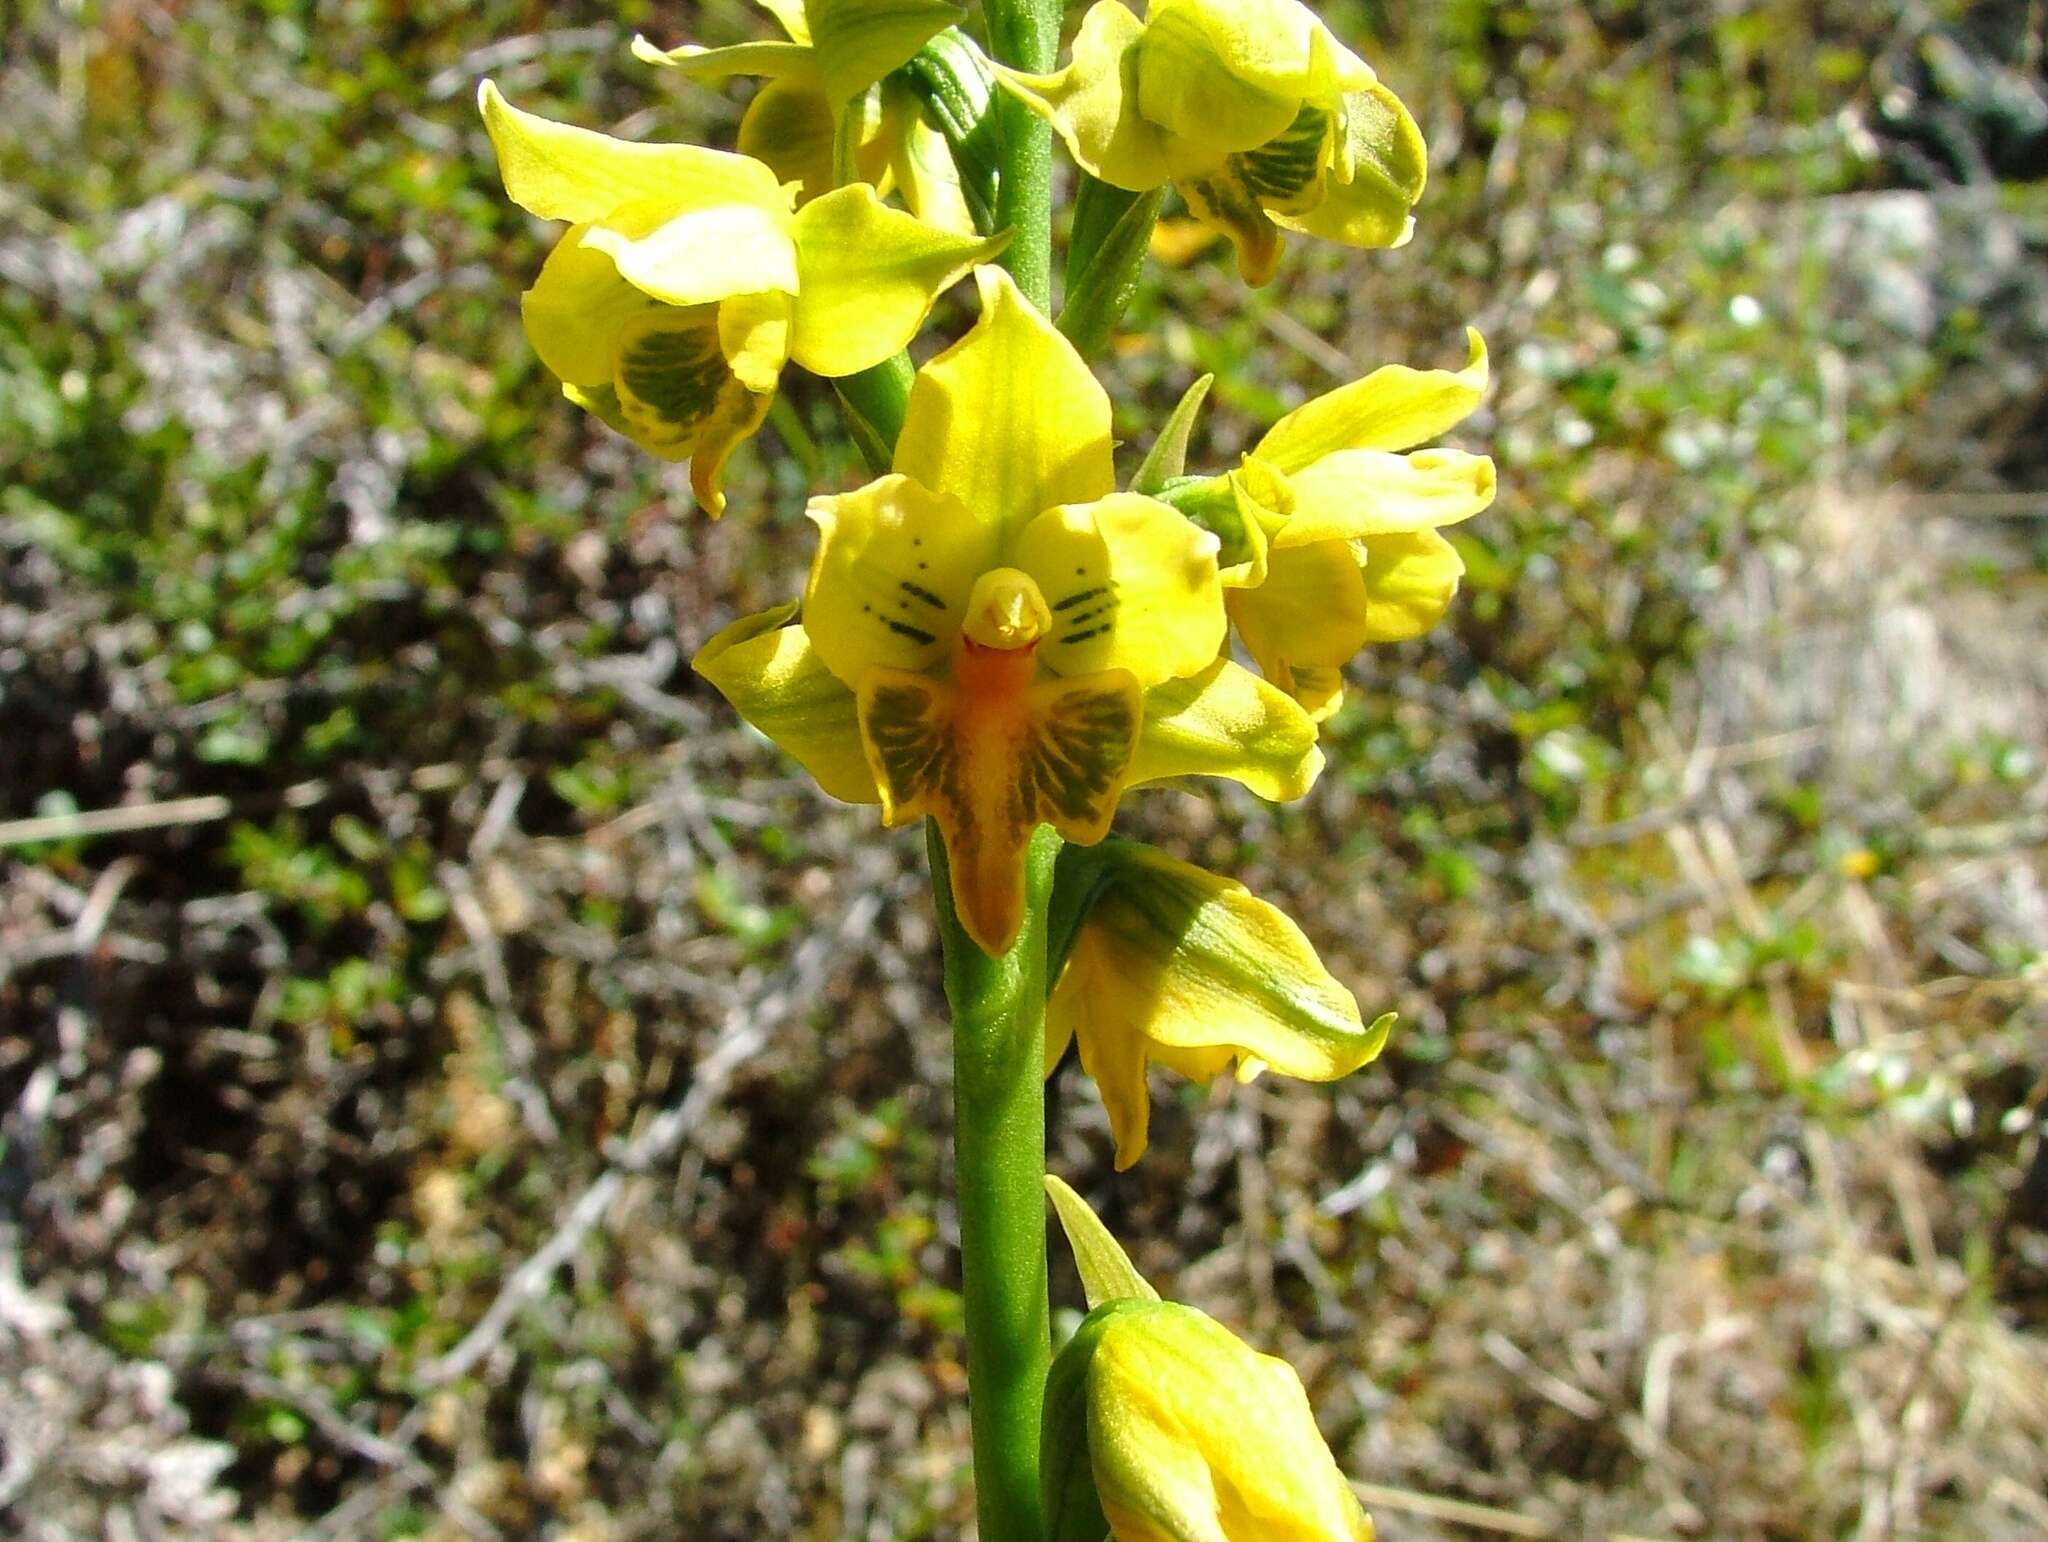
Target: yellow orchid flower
{"x":995,"y":637}
{"x":687,"y":280}
{"x":831,"y":77}
{"x":1350,"y":521}
{"x":1176,"y":965}
{"x":1262,"y":119}
{"x":1161,"y":1425}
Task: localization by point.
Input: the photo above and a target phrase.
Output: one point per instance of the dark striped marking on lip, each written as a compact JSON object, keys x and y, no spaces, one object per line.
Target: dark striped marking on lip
{"x":919,"y":592}
{"x":905,"y":629}
{"x":1286,"y":164}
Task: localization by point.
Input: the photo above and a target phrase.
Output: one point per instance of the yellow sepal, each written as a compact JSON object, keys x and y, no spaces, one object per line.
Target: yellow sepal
{"x":1226,"y":721}
{"x":988,"y":769}
{"x":1009,"y":419}
{"x":1355,"y":493}
{"x":1410,"y":581}
{"x":1182,"y":966}
{"x":1093,"y":103}
{"x":867,"y":278}
{"x":857,"y":42}
{"x":766,"y":667}
{"x":564,"y":173}
{"x":792,"y":61}
{"x":1393,"y":408}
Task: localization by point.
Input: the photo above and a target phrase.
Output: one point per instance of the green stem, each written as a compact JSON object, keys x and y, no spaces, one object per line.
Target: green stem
{"x":875,"y":401}
{"x":999,"y":1168}
{"x":1025,"y":34}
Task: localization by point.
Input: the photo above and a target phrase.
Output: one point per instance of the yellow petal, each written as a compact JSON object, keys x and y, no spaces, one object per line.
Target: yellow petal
{"x":577,"y":310}
{"x":1311,"y":610}
{"x":1221,"y":76}
{"x":868,"y":275}
{"x":790,"y":13}
{"x":1387,"y":164}
{"x":990,"y":770}
{"x":1194,"y":1437}
{"x":1410,"y":581}
{"x":771,"y":60}
{"x":925,"y":173}
{"x":1393,"y":408}
{"x":1226,"y":721}
{"x":774,"y":678}
{"x":1091,"y":992}
{"x":1354,"y":493}
{"x":788,"y":125}
{"x":857,"y":42}
{"x":564,"y":173}
{"x":1008,"y":419}
{"x":753,"y":334}
{"x":1093,"y":102}
{"x":702,"y":254}
{"x":896,"y":564}
{"x":1131,"y":584}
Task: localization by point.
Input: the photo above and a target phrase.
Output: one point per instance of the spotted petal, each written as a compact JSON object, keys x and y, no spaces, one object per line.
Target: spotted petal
{"x":577,"y":310}
{"x":1131,"y":584}
{"x":896,"y":564}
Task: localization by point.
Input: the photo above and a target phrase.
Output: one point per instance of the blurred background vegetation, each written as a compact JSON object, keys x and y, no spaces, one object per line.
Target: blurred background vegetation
{"x":496,"y":1096}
